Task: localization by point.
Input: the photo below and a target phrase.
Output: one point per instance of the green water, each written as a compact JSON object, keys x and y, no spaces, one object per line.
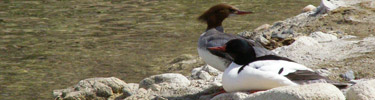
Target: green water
{"x":52,"y":44}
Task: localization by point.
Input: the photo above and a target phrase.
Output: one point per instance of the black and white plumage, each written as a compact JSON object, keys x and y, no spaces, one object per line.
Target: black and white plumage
{"x":261,"y":73}
{"x":214,"y":36}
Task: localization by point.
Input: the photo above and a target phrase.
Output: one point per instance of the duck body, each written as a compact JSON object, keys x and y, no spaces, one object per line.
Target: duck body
{"x":248,"y":72}
{"x":214,"y":36}
{"x":260,"y":75}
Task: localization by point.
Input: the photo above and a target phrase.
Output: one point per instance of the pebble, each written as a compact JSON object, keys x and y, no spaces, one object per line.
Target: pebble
{"x":309,"y":8}
{"x":348,"y":75}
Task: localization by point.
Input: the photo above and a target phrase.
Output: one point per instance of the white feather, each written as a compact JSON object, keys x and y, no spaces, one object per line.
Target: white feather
{"x":212,"y":60}
{"x":259,"y":75}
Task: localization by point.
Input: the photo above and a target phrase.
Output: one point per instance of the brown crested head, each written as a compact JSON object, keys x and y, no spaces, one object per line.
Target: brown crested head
{"x":216,"y":14}
{"x":220,"y":10}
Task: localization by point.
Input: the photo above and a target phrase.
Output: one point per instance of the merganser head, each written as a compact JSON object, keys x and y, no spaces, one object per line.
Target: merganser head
{"x":216,"y":14}
{"x":239,"y":49}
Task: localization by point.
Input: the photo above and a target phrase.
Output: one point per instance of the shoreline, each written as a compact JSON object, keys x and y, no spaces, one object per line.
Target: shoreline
{"x":338,"y":43}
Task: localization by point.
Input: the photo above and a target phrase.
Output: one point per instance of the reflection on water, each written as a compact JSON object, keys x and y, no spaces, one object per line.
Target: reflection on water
{"x":52,"y":44}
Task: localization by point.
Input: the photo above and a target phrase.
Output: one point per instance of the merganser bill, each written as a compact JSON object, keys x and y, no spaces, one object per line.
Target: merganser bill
{"x":248,"y":72}
{"x":214,"y":36}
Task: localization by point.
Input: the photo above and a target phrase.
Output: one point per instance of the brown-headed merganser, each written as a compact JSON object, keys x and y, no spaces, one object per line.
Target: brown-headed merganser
{"x":248,"y":72}
{"x":214,"y":36}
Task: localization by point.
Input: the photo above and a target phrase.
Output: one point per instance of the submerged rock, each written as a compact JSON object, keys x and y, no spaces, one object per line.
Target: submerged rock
{"x":317,"y":91}
{"x":362,"y":91}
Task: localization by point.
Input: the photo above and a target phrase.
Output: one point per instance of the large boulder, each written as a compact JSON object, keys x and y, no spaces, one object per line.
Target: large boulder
{"x":317,"y":91}
{"x":362,"y":91}
{"x":91,"y":88}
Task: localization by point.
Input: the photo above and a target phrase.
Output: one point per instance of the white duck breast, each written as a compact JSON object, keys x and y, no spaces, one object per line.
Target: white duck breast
{"x":260,"y":75}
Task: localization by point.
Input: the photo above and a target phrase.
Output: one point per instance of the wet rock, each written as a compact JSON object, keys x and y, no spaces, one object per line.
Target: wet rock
{"x":349,"y":75}
{"x":92,"y":88}
{"x":317,"y":91}
{"x":172,"y":80}
{"x":362,"y":91}
{"x":322,"y":37}
{"x":309,"y":8}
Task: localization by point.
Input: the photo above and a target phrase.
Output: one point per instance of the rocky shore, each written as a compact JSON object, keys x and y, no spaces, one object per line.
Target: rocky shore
{"x":336,"y":39}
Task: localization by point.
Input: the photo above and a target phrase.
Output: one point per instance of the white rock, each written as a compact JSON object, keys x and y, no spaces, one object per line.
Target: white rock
{"x":194,"y":72}
{"x":262,"y":27}
{"x":325,"y":6}
{"x":322,"y":37}
{"x":130,"y":89}
{"x":302,"y":42}
{"x":323,"y":72}
{"x":92,"y":88}
{"x":317,"y":91}
{"x":211,"y":70}
{"x":204,"y":75}
{"x":262,"y":40}
{"x":348,"y":37}
{"x":362,"y":91}
{"x":309,"y":8}
{"x":171,"y":79}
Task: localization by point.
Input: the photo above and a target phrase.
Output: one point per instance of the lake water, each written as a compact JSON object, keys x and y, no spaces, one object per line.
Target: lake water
{"x":52,"y":44}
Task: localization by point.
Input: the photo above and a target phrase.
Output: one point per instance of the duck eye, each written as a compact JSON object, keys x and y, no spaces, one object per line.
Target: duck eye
{"x":232,"y":10}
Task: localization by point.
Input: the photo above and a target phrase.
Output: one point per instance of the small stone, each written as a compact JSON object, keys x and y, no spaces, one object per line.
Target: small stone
{"x":309,"y":8}
{"x":204,"y":75}
{"x":364,"y":90}
{"x":171,"y":79}
{"x":283,"y":35}
{"x":349,"y":75}
{"x":323,"y":72}
{"x":262,"y":27}
{"x":262,"y":40}
{"x":211,"y":70}
{"x":194,"y":72}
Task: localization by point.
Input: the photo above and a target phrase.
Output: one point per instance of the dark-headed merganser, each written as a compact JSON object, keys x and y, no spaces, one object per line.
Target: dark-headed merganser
{"x":215,"y":36}
{"x":248,"y":72}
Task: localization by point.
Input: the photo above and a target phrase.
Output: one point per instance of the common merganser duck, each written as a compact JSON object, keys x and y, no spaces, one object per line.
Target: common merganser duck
{"x":214,"y":36}
{"x":248,"y":72}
